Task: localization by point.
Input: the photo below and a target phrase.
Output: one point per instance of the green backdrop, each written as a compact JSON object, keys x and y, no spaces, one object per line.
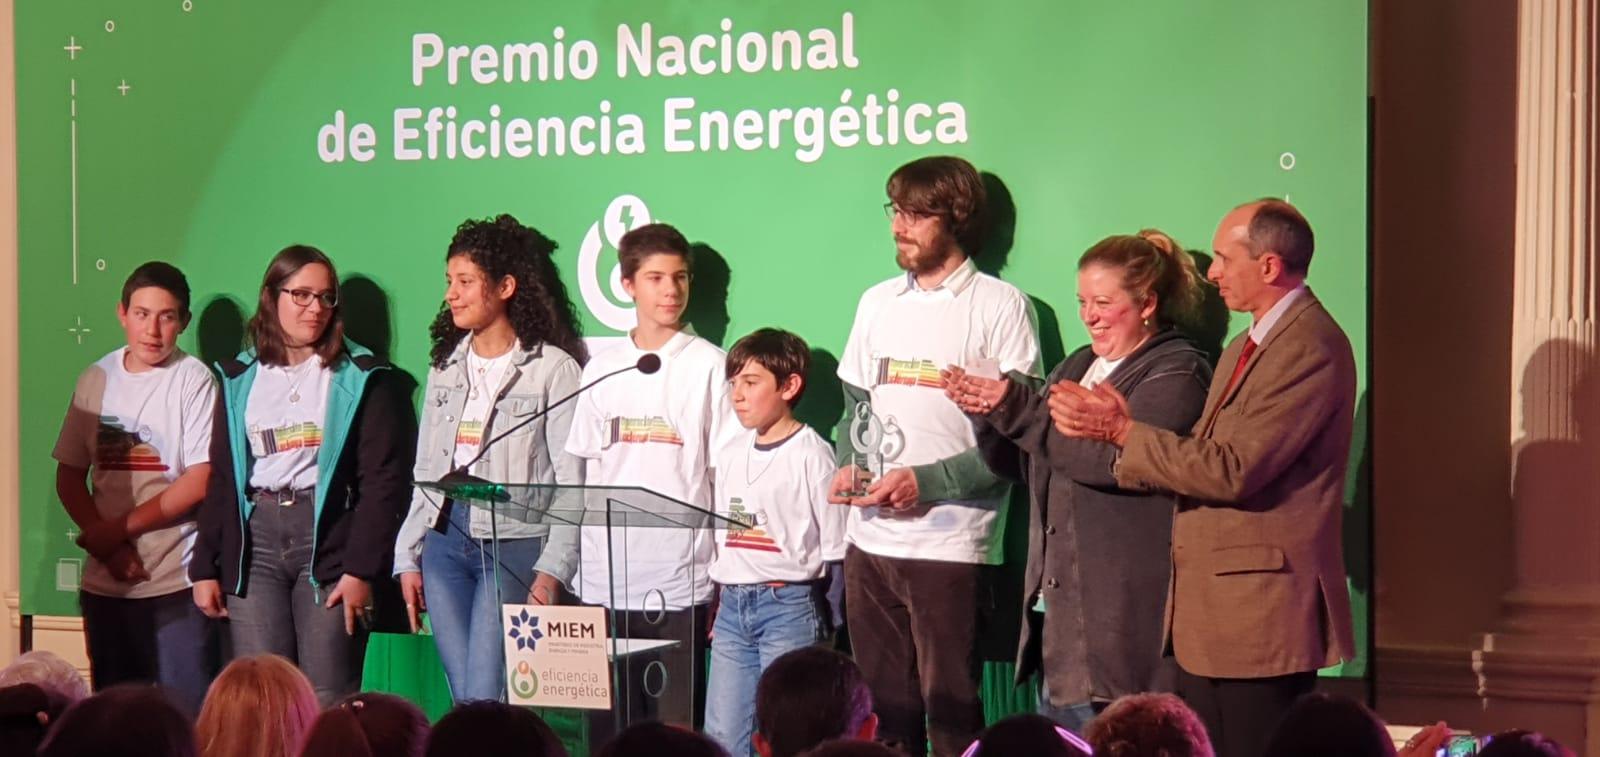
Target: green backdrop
{"x":198,"y":131}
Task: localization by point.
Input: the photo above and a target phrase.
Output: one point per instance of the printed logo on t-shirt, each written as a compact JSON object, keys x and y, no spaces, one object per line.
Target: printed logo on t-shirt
{"x":747,"y":536}
{"x":652,"y":430}
{"x":117,"y":448}
{"x":469,"y":433}
{"x":295,"y":436}
{"x":912,"y":372}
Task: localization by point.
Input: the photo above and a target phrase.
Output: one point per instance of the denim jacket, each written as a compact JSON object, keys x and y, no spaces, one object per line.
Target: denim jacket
{"x":533,"y":454}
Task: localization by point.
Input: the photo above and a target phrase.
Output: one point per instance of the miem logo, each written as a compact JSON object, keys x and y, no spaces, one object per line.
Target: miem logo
{"x":525,"y":631}
{"x":623,"y":215}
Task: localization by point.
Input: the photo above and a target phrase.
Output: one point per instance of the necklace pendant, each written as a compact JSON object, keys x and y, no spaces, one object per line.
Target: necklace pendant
{"x":473,"y":394}
{"x":294,"y":397}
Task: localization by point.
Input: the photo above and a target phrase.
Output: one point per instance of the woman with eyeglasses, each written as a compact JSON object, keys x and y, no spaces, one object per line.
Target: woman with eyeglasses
{"x":311,"y":455}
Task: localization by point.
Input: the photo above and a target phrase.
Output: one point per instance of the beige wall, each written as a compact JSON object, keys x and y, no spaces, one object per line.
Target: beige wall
{"x":1444,"y":202}
{"x":8,"y":334}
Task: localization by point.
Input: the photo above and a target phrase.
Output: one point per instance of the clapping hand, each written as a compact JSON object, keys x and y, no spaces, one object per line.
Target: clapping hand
{"x":1100,"y":414}
{"x":975,"y":395}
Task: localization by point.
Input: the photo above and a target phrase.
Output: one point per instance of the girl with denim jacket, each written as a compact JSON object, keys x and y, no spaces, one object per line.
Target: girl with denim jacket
{"x":505,"y":346}
{"x":309,"y":453}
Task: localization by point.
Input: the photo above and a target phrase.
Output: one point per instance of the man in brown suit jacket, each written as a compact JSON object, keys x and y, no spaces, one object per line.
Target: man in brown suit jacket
{"x":1257,"y":601}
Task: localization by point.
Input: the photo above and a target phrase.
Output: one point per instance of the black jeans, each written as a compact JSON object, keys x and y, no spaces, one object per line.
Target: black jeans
{"x":282,"y":613}
{"x":1241,"y":713}
{"x":164,"y":639}
{"x":914,"y":626}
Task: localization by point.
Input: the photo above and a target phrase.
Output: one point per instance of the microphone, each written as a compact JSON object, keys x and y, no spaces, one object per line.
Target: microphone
{"x":459,"y":484}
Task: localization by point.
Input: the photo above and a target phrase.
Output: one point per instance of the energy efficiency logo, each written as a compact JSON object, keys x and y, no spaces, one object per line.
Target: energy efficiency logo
{"x":524,"y":681}
{"x":624,"y":214}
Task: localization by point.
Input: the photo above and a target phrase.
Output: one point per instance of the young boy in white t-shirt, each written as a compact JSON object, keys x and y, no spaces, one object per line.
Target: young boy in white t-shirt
{"x":773,"y":477}
{"x":654,"y":431}
{"x":139,"y":429}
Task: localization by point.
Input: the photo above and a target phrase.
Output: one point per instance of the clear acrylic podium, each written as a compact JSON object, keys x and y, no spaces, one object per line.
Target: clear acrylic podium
{"x":642,"y":556}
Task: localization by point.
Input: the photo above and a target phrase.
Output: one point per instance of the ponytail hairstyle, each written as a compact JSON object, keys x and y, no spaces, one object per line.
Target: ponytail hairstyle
{"x":1153,"y":264}
{"x":539,"y":309}
{"x":368,"y":725}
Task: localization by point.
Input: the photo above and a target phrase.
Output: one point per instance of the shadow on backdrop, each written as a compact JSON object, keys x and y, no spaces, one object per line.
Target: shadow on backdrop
{"x":822,"y":405}
{"x":1210,"y":329}
{"x":1000,"y":227}
{"x":1554,"y":477}
{"x":368,"y":321}
{"x":219,"y":330}
{"x":708,"y":299}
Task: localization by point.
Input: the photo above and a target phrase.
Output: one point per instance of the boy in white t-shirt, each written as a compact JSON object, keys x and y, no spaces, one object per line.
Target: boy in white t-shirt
{"x":773,"y":477}
{"x":654,"y":431}
{"x":139,"y":430}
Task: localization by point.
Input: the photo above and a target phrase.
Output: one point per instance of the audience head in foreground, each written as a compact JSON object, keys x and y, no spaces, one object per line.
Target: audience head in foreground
{"x":27,"y":710}
{"x":1148,"y":725}
{"x":260,"y":706}
{"x":48,"y":671}
{"x":660,"y":740}
{"x":1520,"y":743}
{"x":122,"y":721}
{"x":487,"y":728}
{"x":368,"y":725}
{"x":808,"y":696}
{"x":852,"y":748}
{"x":1029,"y":734}
{"x":1324,"y":725}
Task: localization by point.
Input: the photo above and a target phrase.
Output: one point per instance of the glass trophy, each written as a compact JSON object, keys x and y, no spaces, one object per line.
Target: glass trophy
{"x":874,"y":442}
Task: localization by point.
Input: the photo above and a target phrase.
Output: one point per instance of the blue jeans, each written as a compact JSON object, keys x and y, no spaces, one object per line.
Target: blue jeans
{"x":164,"y":639}
{"x":1074,"y":717}
{"x":281,"y":612}
{"x":755,"y":625}
{"x":459,"y":587}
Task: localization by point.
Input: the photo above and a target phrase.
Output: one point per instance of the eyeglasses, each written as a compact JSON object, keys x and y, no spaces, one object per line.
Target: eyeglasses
{"x":891,"y":210}
{"x":303,"y":297}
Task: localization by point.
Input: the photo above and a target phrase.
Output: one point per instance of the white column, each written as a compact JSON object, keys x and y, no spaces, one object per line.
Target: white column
{"x":1540,"y":666}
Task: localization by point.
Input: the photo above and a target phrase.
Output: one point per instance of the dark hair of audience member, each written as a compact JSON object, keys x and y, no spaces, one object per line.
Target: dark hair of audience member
{"x":660,"y":740}
{"x":1030,"y":734}
{"x":1148,"y":725}
{"x":808,"y":696}
{"x":851,"y":748}
{"x":122,"y":721}
{"x":27,"y":711}
{"x":487,"y":728}
{"x":368,"y":725}
{"x":1324,"y":725}
{"x":1520,"y":743}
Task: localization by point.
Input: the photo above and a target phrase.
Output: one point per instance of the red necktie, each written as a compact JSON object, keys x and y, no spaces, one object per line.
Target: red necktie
{"x":1238,"y":369}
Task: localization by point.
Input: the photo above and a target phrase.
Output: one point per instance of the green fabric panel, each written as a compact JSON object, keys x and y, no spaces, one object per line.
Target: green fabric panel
{"x":1001,"y":697}
{"x":407,"y":665}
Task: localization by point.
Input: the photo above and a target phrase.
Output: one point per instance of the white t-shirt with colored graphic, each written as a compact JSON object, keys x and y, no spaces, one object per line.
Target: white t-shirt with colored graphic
{"x":283,"y":421}
{"x":903,"y":335}
{"x":654,"y":431}
{"x":485,"y":376}
{"x":137,"y":433}
{"x":780,"y":493}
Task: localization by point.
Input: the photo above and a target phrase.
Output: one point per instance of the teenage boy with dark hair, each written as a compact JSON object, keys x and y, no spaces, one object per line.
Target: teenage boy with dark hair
{"x":132,"y":459}
{"x":808,"y":697}
{"x":924,"y":533}
{"x":655,"y":431}
{"x":772,"y":477}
